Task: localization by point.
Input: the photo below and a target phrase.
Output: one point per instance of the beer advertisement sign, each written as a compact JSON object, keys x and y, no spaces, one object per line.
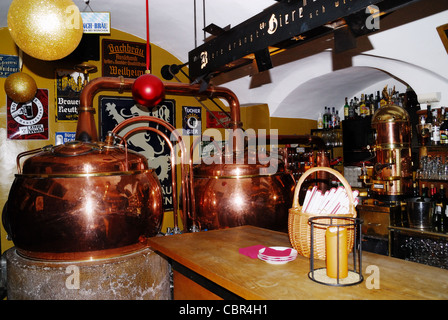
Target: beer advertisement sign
{"x":123,"y":58}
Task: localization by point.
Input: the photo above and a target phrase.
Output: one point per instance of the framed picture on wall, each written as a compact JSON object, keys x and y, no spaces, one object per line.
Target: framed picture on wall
{"x":114,"y":110}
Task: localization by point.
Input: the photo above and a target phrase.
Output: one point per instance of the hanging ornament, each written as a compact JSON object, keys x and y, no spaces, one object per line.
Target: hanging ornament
{"x":20,"y":87}
{"x":148,"y":90}
{"x":45,"y":29}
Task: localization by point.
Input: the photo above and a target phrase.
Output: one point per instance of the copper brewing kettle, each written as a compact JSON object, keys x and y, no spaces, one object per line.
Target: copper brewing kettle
{"x":242,"y":189}
{"x":82,"y":200}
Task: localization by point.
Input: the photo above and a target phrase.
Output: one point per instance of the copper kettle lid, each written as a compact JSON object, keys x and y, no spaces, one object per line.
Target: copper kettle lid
{"x":238,"y":164}
{"x":77,"y":157}
{"x":390,"y":113}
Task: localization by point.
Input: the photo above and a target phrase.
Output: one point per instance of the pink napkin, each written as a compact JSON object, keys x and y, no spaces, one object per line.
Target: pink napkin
{"x":252,"y":251}
{"x":276,"y":253}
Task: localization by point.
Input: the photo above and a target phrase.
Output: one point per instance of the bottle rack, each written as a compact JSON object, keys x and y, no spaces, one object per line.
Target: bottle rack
{"x":299,"y":159}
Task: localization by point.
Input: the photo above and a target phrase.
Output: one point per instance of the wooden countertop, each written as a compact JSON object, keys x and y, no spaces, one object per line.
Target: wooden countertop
{"x":214,"y":255}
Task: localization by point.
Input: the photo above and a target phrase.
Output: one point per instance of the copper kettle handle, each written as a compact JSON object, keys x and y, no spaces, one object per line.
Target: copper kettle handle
{"x":30,"y":152}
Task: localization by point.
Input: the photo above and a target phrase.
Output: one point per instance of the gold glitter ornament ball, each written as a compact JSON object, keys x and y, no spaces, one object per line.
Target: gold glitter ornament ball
{"x":20,"y":87}
{"x":45,"y":29}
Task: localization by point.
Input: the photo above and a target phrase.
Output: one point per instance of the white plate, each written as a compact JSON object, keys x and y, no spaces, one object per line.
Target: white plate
{"x":275,"y":259}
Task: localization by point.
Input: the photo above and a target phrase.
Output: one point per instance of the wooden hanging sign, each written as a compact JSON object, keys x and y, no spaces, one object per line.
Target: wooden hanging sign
{"x":284,"y":21}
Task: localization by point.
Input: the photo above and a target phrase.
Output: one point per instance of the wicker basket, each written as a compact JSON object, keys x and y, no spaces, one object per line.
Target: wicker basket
{"x":299,"y":229}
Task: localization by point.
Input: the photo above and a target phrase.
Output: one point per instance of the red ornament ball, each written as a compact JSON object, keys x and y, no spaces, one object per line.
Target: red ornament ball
{"x":148,"y":90}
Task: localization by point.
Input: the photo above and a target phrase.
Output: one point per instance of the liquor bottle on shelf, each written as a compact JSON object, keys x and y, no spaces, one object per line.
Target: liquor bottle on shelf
{"x":428,"y":121}
{"x":444,"y":127}
{"x":337,"y":125}
{"x":425,"y":191}
{"x":356,"y":107}
{"x":351,"y":110}
{"x":320,"y":121}
{"x":325,"y":117}
{"x":415,"y":191}
{"x":377,"y":101}
{"x":367,"y":105}
{"x":333,"y":118}
{"x":372,"y":105}
{"x":435,"y":128}
{"x":433,"y":192}
{"x":362,"y":106}
{"x":346,"y":109}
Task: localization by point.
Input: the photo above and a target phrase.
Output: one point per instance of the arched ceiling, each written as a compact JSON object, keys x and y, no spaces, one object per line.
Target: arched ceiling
{"x":308,"y":77}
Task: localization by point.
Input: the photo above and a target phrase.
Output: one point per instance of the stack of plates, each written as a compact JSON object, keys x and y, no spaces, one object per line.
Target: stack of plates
{"x":277,"y":259}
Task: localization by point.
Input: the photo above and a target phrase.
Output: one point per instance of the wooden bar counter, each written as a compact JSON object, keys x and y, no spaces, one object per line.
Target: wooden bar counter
{"x":208,"y":265}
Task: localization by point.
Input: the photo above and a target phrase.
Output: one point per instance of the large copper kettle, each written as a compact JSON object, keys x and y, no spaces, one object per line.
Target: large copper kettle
{"x":80,"y":200}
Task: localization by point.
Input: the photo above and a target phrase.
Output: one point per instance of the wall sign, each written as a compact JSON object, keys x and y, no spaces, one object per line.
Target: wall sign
{"x":28,"y":121}
{"x":114,"y":110}
{"x":123,"y":58}
{"x":191,"y":121}
{"x":69,"y":84}
{"x":222,"y":116}
{"x":64,"y":137}
{"x":96,"y":22}
{"x":8,"y":65}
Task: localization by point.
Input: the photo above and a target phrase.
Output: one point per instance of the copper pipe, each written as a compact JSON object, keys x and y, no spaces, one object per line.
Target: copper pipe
{"x":26,"y":153}
{"x":184,"y":177}
{"x":173,"y":163}
{"x":86,"y":129}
